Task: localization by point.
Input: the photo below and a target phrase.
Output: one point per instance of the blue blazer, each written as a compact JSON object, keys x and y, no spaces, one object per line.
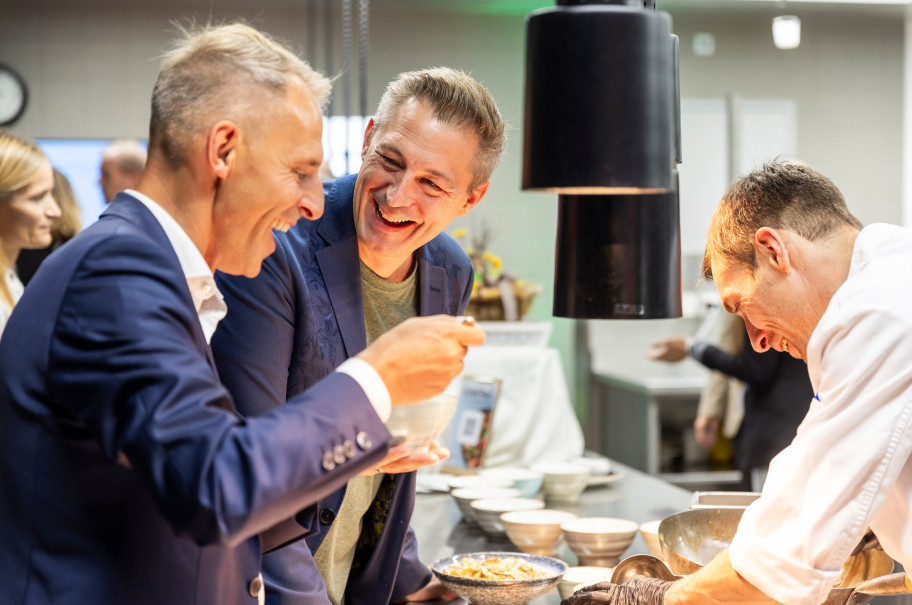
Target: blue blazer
{"x":286,"y":330}
{"x":126,"y":477}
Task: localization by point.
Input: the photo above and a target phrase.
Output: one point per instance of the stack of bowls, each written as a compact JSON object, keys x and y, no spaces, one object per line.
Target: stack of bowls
{"x":535,"y":532}
{"x":458,"y":481}
{"x":527,"y":481}
{"x":650,"y":533}
{"x":464,"y":496}
{"x":487,"y":512}
{"x":599,"y":541}
{"x":563,"y":480}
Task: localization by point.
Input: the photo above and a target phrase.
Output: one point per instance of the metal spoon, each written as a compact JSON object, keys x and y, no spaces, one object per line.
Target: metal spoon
{"x":641,"y":565}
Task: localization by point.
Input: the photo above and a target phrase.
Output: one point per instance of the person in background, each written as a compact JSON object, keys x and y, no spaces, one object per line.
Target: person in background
{"x":28,"y":211}
{"x":777,"y":394}
{"x":122,"y":165}
{"x":809,"y":280}
{"x":377,"y":257}
{"x":126,"y":476}
{"x":68,"y":225}
{"x":721,"y":405}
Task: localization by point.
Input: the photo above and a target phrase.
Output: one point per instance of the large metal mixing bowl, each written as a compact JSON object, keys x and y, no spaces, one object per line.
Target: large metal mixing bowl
{"x":691,"y":539}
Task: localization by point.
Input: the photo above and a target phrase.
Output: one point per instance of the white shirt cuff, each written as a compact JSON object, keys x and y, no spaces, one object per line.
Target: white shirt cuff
{"x":369,"y":380}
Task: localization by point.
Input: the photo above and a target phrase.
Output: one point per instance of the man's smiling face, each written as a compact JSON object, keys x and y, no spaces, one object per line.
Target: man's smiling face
{"x":415,"y":179}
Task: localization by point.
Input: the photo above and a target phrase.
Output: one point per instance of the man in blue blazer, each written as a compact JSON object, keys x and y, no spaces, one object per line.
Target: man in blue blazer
{"x":126,"y":477}
{"x":377,"y":256}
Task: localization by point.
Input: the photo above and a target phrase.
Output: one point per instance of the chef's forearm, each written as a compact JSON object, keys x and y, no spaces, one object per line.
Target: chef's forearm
{"x":717,"y":582}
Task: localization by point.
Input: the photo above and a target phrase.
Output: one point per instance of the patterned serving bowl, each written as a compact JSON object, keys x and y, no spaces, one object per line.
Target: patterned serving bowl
{"x":480,"y":591}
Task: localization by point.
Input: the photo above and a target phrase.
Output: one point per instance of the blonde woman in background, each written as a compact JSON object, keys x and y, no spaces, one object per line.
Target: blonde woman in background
{"x":27,"y":211}
{"x":69,"y":224}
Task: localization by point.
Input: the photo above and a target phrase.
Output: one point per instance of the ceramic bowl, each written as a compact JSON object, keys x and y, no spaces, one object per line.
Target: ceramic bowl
{"x":577,"y":577}
{"x":422,"y":422}
{"x":535,"y":531}
{"x":459,"y":481}
{"x":563,"y":480}
{"x":465,"y":495}
{"x":526,"y":480}
{"x":650,"y":533}
{"x":599,"y":541}
{"x":501,"y":592}
{"x":487,"y":512}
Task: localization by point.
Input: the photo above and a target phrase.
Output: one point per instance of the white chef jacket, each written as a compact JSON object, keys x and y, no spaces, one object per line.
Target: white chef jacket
{"x":849,"y":465}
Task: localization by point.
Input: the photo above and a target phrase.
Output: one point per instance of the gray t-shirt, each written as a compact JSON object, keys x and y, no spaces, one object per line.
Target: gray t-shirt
{"x":386,"y":304}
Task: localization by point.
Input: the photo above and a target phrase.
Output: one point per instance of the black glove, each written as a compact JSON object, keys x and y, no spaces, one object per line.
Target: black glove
{"x":638,"y":590}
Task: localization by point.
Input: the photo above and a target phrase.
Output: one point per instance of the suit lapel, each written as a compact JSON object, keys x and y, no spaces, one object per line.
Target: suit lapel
{"x":340,"y":266}
{"x":127,"y":208}
{"x":431,"y":284}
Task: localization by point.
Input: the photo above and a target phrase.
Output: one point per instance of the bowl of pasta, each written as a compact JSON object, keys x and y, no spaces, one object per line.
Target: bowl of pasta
{"x":499,"y":578}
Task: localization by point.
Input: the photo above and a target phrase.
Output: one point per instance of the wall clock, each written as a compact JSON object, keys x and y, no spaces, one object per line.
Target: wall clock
{"x":13,"y":95}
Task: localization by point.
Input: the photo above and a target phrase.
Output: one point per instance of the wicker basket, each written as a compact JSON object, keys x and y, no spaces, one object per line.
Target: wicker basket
{"x":486,"y":303}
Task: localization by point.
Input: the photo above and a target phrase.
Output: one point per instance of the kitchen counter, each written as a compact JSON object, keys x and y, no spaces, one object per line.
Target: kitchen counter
{"x":441,"y":532}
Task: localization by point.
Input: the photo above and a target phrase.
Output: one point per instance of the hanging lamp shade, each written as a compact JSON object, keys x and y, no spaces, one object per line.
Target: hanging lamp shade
{"x":618,"y":257}
{"x":599,"y":99}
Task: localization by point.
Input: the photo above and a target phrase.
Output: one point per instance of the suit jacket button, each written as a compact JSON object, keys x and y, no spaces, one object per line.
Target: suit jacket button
{"x":256,"y":585}
{"x":328,"y":462}
{"x":339,"y":454}
{"x":348,"y":448}
{"x":327,"y":516}
{"x":363,"y":441}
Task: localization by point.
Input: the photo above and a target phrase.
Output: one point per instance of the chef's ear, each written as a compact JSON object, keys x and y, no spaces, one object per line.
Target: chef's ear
{"x":221,"y":147}
{"x":771,"y":248}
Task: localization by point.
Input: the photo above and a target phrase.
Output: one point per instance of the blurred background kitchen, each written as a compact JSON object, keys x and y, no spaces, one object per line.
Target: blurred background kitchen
{"x":839,"y":101}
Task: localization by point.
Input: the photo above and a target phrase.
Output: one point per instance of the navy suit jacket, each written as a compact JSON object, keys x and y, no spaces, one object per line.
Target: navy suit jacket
{"x":287,"y":329}
{"x":126,"y":477}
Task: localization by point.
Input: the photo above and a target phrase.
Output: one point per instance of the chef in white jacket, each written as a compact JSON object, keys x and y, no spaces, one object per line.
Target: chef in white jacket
{"x":788,"y":257}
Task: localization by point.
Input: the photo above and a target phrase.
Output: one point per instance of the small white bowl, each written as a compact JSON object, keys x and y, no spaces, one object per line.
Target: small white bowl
{"x":578,"y":577}
{"x":459,"y":481}
{"x":536,"y":532}
{"x":422,"y":422}
{"x":563,"y":480}
{"x":650,"y":533}
{"x":599,"y":541}
{"x":487,"y":512}
{"x":465,"y":495}
{"x":526,"y":480}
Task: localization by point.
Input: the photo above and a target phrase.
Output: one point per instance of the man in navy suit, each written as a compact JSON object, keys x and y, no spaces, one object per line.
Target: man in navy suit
{"x":375,"y":258}
{"x":126,"y":476}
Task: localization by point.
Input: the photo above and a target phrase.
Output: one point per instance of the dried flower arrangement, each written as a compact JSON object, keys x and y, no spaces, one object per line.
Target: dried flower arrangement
{"x":496,"y":294}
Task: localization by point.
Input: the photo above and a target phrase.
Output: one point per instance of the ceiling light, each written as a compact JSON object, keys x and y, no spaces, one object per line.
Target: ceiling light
{"x":598,"y":103}
{"x":618,"y":257}
{"x":786,"y":31}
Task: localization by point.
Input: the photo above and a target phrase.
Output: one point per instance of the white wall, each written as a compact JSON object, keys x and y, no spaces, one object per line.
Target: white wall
{"x":846,"y":79}
{"x":91,"y":66}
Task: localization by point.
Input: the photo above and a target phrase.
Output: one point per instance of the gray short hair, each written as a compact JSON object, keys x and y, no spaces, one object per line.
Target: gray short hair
{"x":457,"y":99}
{"x":207,"y":69}
{"x":781,"y":195}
